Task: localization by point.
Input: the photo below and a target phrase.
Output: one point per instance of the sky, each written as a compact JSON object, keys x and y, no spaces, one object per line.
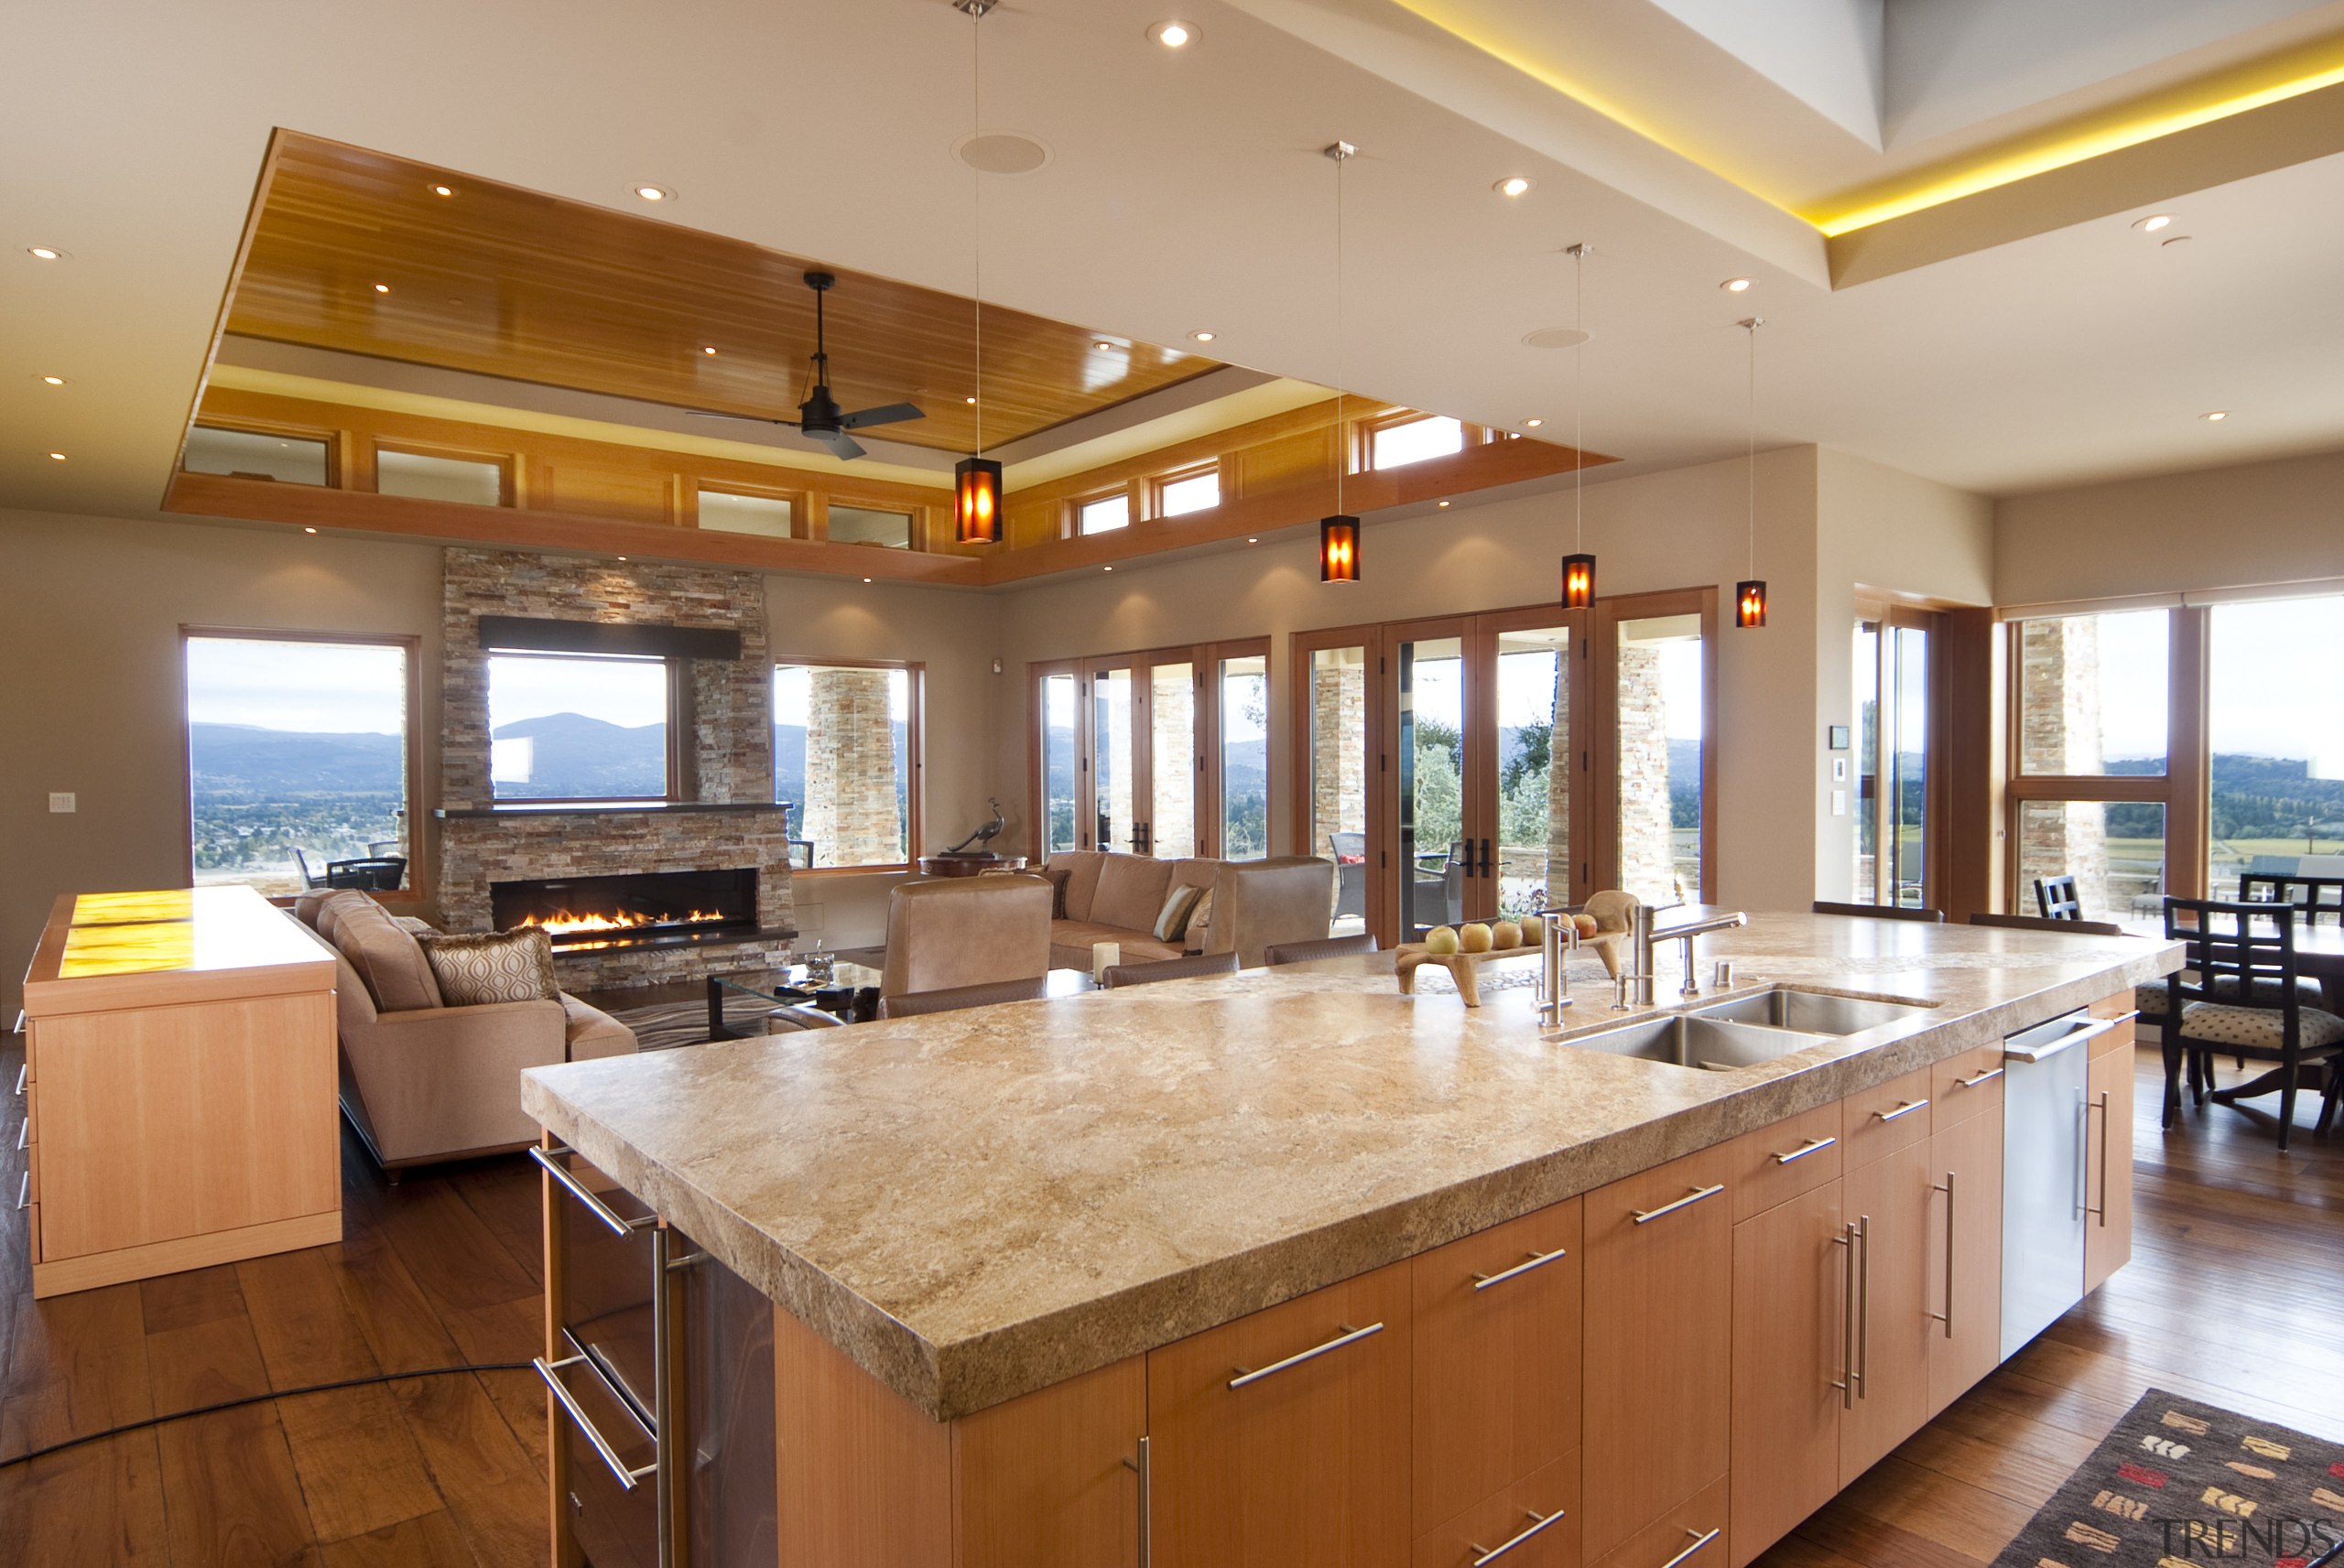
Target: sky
{"x":2278,"y":683}
{"x":319,"y":688}
{"x":630,"y":693}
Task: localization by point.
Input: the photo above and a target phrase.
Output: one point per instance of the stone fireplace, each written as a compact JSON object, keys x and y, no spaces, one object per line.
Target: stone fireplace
{"x":722,"y":847}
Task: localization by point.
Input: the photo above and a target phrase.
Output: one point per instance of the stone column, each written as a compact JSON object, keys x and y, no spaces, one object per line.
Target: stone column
{"x":2060,"y":734}
{"x":1560,"y":761}
{"x":1337,"y":753}
{"x":850,"y":810}
{"x":1172,"y":743}
{"x":1647,"y":861}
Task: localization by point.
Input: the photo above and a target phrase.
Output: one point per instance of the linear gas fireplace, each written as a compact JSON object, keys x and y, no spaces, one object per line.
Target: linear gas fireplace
{"x":634,"y":910}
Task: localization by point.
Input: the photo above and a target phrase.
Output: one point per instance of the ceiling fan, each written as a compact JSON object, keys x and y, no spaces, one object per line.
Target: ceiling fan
{"x":819,"y":415}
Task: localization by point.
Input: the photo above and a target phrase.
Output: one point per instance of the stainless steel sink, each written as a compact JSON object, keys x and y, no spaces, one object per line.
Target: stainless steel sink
{"x":1812,"y":1012}
{"x":1690,"y":1040}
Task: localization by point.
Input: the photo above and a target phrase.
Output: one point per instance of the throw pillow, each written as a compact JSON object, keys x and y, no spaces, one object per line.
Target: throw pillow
{"x":475,"y":970}
{"x":1172,"y":920}
{"x":1199,"y":919}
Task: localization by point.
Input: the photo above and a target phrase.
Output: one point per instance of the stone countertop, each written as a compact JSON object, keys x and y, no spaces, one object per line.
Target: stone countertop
{"x":976,"y":1204}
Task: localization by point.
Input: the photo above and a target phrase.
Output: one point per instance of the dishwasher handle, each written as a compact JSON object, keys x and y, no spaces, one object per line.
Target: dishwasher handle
{"x":2074,"y":1030}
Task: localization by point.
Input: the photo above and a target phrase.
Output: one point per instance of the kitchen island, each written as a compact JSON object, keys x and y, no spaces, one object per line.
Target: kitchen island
{"x":1164,"y":1272}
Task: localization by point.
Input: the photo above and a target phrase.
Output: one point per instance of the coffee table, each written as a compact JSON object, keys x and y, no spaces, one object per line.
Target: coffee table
{"x":782,"y":983}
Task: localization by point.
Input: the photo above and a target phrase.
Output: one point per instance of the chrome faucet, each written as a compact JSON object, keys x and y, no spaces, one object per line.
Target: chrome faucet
{"x":1557,"y":933}
{"x":1639,"y":926}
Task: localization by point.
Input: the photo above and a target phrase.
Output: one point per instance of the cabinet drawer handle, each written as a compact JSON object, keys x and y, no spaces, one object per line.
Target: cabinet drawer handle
{"x":1537,"y":1522}
{"x":1647,"y":1215}
{"x":585,"y":1195}
{"x":549,"y":1371}
{"x":2105,"y":1139}
{"x":22,"y":1070}
{"x":1988,"y":1077}
{"x":1861,"y":1374}
{"x":23,"y":1130}
{"x":1147,"y":1544}
{"x":1536,"y":1261}
{"x":1700,"y":1541}
{"x":1846,"y":1382}
{"x":25,"y":1192}
{"x":1813,"y":1145}
{"x":1904,"y":1109}
{"x":1349,"y":1336}
{"x":1946,"y":1317}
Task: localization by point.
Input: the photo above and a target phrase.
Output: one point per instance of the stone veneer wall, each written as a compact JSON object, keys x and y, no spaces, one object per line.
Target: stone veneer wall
{"x":2059,"y":657}
{"x":1560,"y":756}
{"x":732,"y":755}
{"x":1647,"y":863}
{"x":852,"y":813}
{"x":1337,"y":753}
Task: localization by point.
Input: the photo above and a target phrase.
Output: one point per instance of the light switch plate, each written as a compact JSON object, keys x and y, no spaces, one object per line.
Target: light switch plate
{"x":61,"y":800}
{"x":1839,"y":803}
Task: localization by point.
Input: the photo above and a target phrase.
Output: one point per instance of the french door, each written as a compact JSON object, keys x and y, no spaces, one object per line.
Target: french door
{"x":1154,"y":754}
{"x":1900,"y":789}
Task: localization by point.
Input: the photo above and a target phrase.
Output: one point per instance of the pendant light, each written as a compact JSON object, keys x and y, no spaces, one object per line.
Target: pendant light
{"x":976,"y":479}
{"x":1338,"y":534}
{"x":1750,"y":595}
{"x":1578,"y":567}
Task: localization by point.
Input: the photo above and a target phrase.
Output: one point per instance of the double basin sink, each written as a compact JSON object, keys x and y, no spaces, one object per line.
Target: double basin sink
{"x":1745,"y":1031}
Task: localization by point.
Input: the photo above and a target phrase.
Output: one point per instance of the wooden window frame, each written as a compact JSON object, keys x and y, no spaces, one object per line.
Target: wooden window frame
{"x":1364,"y":431}
{"x":800,"y":519}
{"x":507,"y":464}
{"x":1158,"y":484}
{"x":915,"y":787}
{"x":1936,"y":814}
{"x":916,"y":531}
{"x":336,"y":441}
{"x":1070,"y":525}
{"x":2185,"y":789}
{"x":421,"y":862}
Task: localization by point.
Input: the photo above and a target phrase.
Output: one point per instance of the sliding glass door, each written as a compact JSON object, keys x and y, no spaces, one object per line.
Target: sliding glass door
{"x":1438,"y":854}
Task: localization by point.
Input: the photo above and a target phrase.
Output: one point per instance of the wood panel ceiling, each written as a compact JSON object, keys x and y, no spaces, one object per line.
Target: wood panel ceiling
{"x":506,"y":282}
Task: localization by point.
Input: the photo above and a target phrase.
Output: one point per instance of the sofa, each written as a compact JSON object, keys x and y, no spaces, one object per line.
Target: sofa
{"x":1108,"y":896}
{"x":424,"y":1081}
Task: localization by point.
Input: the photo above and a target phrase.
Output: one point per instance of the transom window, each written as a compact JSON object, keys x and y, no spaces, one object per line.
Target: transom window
{"x":1197,"y":491}
{"x":1105,"y":515}
{"x":255,"y":454}
{"x":1414,"y":441}
{"x":871,"y":525}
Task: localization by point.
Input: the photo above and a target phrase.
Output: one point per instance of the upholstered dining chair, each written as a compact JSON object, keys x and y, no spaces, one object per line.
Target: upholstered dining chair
{"x":1324,"y":947}
{"x":951,"y":932}
{"x":920,"y":1003}
{"x":1191,"y":967}
{"x":2243,"y":950}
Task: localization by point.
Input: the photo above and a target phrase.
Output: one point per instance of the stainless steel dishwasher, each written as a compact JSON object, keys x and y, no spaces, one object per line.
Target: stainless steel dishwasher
{"x":2043,"y":1195}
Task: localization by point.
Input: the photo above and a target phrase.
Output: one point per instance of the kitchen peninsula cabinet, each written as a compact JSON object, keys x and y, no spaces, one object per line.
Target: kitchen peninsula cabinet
{"x":1520,"y":1299}
{"x":2108,"y":1155}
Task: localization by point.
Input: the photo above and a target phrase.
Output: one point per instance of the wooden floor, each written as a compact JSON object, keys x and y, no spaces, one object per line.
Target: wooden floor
{"x":2230,"y":1298}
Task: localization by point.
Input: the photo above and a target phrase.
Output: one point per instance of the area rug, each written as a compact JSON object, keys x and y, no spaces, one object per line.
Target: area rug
{"x":2181,"y":1485}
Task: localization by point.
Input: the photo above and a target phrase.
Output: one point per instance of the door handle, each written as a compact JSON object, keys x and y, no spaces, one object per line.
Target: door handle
{"x":1905,"y":1109}
{"x":1862,"y":1375}
{"x":585,"y":1195}
{"x":1946,"y":1317}
{"x":1536,"y":1261}
{"x":1139,"y":1467}
{"x":1647,"y":1215}
{"x":1812,"y":1146}
{"x":551,"y":1372}
{"x":1846,"y":1381}
{"x":2106,"y":1138}
{"x":1485,"y":857}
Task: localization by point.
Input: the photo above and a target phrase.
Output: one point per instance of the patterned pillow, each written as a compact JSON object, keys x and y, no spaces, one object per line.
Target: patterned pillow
{"x":475,"y":970}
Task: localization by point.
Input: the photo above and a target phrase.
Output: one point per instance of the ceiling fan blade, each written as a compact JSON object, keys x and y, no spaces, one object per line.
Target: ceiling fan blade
{"x":892,"y":414}
{"x":842,"y":446}
{"x":744,"y":418}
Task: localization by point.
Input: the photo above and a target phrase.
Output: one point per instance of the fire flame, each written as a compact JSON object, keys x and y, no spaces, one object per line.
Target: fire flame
{"x":563,"y":921}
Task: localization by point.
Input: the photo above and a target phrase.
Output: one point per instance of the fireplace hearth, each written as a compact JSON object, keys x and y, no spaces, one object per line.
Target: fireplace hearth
{"x":640,"y":908}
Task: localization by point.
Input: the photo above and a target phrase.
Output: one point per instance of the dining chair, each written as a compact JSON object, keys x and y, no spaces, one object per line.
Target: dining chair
{"x":920,"y":1003}
{"x":1881,"y":912}
{"x":2056,"y":898}
{"x":1324,"y":947}
{"x":1184,"y":968}
{"x":2064,"y":924}
{"x":2246,"y":949}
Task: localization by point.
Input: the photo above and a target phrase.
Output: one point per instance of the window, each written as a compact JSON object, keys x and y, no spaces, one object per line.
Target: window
{"x":1246,"y":758}
{"x":294,"y":744}
{"x":253,"y":454}
{"x":2276,"y":736}
{"x":1662,"y":679}
{"x":769,"y":516}
{"x":475,"y":482}
{"x":578,"y":727}
{"x":1414,"y":441}
{"x":1105,"y":515}
{"x":845,"y":753}
{"x":1186,"y":492}
{"x":871,"y":525}
{"x":1062,"y":750}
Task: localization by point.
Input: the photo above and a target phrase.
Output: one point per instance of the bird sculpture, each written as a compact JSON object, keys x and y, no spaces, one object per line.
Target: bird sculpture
{"x":982,"y":836}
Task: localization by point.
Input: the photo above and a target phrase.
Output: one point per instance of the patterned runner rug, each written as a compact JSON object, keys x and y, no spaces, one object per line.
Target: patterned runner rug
{"x":2181,"y":1485}
{"x":665,"y":1025}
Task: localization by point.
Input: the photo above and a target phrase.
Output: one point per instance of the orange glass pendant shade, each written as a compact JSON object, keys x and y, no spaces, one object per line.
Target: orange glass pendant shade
{"x":977,"y":501}
{"x":1338,"y":549}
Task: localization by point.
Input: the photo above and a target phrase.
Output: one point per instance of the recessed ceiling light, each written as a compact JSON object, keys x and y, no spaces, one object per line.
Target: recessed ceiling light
{"x":622,"y":557}
{"x":1174,"y":34}
{"x":1253,"y":541}
{"x":655,"y":193}
{"x":443,"y":190}
{"x":1513,"y":185}
{"x":57,"y":457}
{"x":46,"y":252}
{"x":708,"y":348}
{"x":1103,"y":346}
{"x":1735,"y":286}
{"x":308,"y":530}
{"x":2216,"y":416}
{"x":967,"y":400}
{"x":382,"y":288}
{"x":53,"y":380}
{"x":1204,"y":337}
{"x":2153,"y":222}
{"x":1109,"y":568}
{"x":866,"y":580}
{"x":1532,"y":424}
{"x":1441,"y":503}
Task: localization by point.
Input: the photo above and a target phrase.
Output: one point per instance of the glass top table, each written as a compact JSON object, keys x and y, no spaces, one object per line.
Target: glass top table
{"x":850,"y":984}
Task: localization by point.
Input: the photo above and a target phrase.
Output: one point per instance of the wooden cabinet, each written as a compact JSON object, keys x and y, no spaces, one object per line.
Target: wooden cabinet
{"x":1497,"y":1366}
{"x":1284,"y":1437}
{"x":1888,"y":1200}
{"x":1794,"y":1350}
{"x":2108,"y":1156}
{"x":1659,"y":1329}
{"x":1539,"y":1514}
{"x":1051,"y":1480}
{"x":1965,"y":1263}
{"x":1692,"y":1534}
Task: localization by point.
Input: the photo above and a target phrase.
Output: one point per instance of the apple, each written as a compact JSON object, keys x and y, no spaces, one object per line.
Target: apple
{"x":1441,"y":939}
{"x":1505,"y":934}
{"x":1586,"y":923}
{"x":1474,"y":938}
{"x":1534,"y":929}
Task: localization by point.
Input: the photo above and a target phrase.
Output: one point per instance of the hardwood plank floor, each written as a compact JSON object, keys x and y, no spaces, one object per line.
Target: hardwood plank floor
{"x":2238,"y":1259}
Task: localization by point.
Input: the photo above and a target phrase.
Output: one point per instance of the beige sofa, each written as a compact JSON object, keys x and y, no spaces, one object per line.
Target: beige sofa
{"x":423,"y":1082}
{"x":1114,"y":897}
